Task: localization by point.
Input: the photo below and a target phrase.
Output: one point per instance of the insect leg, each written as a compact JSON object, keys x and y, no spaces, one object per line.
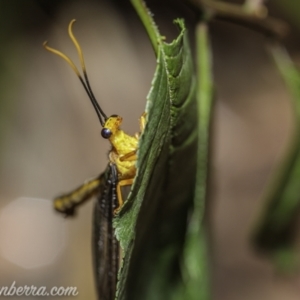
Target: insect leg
{"x":143,"y":122}
{"x":121,"y":183}
{"x":129,"y":156}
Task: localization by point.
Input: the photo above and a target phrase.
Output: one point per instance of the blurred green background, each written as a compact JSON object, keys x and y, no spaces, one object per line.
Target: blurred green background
{"x":50,"y":137}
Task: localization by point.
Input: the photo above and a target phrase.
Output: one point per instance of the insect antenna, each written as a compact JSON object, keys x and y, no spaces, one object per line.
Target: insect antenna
{"x":84,"y":81}
{"x":80,"y":54}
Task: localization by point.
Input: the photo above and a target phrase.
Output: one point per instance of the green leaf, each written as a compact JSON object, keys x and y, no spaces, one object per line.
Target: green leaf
{"x":152,"y":231}
{"x":275,"y":232}
{"x":152,"y":224}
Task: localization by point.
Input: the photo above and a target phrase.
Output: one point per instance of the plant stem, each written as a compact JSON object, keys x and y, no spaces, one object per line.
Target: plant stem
{"x":146,"y":18}
{"x":255,"y":7}
{"x":205,"y":102}
{"x":255,"y":19}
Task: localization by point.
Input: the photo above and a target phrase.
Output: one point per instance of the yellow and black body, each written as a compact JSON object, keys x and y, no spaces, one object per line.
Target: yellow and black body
{"x":120,"y":171}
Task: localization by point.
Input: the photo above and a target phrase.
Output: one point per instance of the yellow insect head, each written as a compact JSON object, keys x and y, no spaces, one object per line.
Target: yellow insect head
{"x":111,"y":126}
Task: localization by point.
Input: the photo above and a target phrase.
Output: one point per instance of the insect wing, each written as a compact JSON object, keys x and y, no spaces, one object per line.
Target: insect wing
{"x":105,"y":246}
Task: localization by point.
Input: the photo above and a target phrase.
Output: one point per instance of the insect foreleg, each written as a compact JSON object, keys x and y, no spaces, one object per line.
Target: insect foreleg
{"x":130,"y":156}
{"x":143,"y":122}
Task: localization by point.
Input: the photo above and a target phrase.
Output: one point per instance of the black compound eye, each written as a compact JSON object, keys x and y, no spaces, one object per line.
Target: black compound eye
{"x":106,"y":133}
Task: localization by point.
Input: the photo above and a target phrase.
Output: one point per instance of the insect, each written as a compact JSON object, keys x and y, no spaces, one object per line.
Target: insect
{"x":120,"y":172}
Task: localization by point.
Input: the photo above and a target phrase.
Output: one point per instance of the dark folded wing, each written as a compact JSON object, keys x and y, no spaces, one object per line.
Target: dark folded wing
{"x":105,"y":246}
